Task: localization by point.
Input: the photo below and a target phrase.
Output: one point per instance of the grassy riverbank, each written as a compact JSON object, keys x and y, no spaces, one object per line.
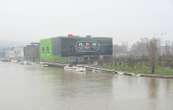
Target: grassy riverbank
{"x":140,"y":69}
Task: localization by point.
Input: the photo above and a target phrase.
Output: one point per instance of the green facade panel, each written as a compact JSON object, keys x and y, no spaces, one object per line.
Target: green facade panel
{"x":46,"y":52}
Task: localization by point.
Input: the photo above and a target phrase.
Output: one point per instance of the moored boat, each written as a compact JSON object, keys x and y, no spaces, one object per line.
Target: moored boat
{"x":75,"y":68}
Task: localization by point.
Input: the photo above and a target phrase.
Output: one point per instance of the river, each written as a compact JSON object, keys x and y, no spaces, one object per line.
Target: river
{"x":31,"y":87}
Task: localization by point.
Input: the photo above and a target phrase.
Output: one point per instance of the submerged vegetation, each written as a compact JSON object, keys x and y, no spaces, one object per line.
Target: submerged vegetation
{"x":140,"y":69}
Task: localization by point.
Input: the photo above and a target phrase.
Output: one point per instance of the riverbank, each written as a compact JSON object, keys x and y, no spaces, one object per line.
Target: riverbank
{"x":124,"y":70}
{"x":142,"y":70}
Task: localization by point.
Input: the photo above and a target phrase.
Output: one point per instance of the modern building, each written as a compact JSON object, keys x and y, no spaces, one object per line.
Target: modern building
{"x":74,"y":48}
{"x":31,"y":52}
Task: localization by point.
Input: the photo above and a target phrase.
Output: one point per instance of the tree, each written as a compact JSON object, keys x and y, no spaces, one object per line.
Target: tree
{"x":152,"y":53}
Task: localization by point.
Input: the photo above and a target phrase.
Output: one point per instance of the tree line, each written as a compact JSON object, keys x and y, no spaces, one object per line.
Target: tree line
{"x":150,"y":53}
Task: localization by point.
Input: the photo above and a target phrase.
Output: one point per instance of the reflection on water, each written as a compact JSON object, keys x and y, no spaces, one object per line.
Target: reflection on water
{"x":38,"y":88}
{"x":152,"y":88}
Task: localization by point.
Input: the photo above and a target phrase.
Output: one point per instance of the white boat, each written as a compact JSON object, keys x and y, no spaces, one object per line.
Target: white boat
{"x":75,"y":68}
{"x":44,"y":65}
{"x":26,"y":63}
{"x":95,"y":71}
{"x":80,"y":69}
{"x":14,"y":61}
{"x":70,"y":67}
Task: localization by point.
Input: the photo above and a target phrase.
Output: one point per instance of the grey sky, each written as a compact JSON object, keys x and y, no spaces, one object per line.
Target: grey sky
{"x":125,"y":20}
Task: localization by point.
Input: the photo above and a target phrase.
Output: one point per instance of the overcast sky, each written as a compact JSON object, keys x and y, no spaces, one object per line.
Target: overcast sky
{"x":125,"y":20}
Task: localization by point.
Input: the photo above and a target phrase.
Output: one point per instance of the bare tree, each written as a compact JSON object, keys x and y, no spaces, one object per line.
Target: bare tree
{"x":152,"y":53}
{"x":139,"y":48}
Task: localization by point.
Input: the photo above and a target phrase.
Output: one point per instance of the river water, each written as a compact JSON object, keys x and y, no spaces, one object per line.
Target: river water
{"x":47,"y":88}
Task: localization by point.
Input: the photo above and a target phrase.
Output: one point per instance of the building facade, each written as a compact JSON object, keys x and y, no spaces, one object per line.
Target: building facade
{"x":31,"y":52}
{"x":77,"y":49}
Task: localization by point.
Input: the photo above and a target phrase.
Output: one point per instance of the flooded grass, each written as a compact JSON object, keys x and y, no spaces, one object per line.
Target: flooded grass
{"x":144,"y":69}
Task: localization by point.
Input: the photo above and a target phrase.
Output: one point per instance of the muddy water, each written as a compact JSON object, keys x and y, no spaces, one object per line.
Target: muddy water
{"x":37,"y":88}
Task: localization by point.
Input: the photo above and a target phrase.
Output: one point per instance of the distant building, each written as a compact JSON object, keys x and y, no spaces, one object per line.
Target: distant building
{"x":120,"y":51}
{"x":31,"y":52}
{"x":19,"y":53}
{"x":2,"y":53}
{"x":166,"y":50}
{"x":14,"y":53}
{"x":74,"y":48}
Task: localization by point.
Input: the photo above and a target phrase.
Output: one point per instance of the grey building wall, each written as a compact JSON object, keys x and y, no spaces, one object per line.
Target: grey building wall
{"x":31,"y":52}
{"x":64,"y":46}
{"x":56,"y":46}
